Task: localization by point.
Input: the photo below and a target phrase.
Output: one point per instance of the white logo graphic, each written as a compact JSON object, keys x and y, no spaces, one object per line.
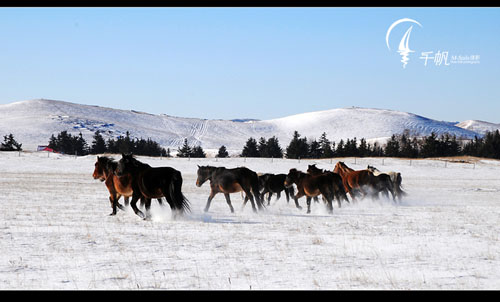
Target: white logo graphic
{"x":403,"y":49}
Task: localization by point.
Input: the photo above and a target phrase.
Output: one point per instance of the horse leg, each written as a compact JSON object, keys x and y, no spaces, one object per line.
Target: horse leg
{"x":250,"y":195}
{"x":308,"y":201}
{"x":329,"y":206}
{"x":126,"y":200}
{"x":263,"y":194}
{"x":133,"y":204}
{"x":118,"y":204}
{"x":147,"y":204}
{"x":113,"y":204}
{"x":244,"y":202}
{"x":210,"y":197}
{"x":327,"y":193}
{"x":296,"y":198}
{"x":228,"y":200}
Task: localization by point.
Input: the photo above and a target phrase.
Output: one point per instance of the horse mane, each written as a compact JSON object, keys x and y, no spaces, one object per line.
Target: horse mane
{"x":108,"y":163}
{"x":137,"y":163}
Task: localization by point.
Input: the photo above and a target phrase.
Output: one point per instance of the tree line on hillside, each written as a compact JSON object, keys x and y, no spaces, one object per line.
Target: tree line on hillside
{"x":66,"y":143}
{"x":400,"y":145}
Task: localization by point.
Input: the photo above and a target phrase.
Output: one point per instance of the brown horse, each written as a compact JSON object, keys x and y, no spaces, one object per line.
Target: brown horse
{"x":363,"y":181}
{"x":118,"y":186}
{"x":338,"y":186}
{"x":228,"y":181}
{"x":311,"y":186}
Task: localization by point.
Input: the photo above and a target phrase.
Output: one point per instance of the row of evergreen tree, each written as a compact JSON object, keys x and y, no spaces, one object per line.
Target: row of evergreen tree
{"x":66,"y":143}
{"x":402,"y":145}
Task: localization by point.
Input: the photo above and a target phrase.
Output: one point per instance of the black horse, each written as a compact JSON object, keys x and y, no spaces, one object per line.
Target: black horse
{"x":149,"y":182}
{"x":275,"y":183}
{"x":338,"y":186}
{"x":230,"y":181}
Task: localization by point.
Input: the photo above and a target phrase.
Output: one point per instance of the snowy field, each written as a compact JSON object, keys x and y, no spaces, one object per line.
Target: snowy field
{"x":55,"y":231}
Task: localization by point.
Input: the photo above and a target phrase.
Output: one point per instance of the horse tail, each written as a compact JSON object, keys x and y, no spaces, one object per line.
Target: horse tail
{"x":398,"y":186}
{"x":254,"y":183}
{"x":180,"y":202}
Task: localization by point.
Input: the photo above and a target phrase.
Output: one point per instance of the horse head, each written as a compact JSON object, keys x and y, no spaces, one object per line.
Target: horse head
{"x":99,"y":169}
{"x":125,"y":164}
{"x":204,"y":174}
{"x":312,"y":169}
{"x":292,"y":177}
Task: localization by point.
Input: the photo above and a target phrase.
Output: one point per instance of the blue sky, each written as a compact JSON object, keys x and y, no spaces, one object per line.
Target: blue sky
{"x":225,"y":63}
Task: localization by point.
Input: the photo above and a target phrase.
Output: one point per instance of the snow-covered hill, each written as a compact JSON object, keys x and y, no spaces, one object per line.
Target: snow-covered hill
{"x":33,"y":122}
{"x":478,"y":126}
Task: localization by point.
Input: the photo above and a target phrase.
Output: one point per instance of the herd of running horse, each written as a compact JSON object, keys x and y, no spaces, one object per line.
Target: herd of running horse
{"x":130,"y":177}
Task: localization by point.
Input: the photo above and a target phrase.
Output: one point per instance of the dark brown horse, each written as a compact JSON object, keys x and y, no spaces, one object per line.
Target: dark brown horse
{"x":336,"y":180}
{"x":363,"y":182}
{"x":275,"y":183}
{"x":311,"y":186}
{"x":117,"y":186}
{"x":149,"y":182}
{"x":229,"y":181}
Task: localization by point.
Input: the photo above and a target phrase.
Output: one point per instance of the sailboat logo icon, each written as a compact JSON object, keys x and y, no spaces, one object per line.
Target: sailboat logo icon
{"x":403,"y":49}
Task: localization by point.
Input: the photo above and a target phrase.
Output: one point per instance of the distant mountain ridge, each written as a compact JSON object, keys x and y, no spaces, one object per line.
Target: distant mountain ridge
{"x":33,"y":122}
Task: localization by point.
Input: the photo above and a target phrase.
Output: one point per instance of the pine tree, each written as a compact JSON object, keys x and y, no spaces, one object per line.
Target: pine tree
{"x":363,"y":149}
{"x":325,"y":146}
{"x":340,"y":151}
{"x":98,"y":144}
{"x":185,"y":150}
{"x":250,"y":149}
{"x":273,"y":148}
{"x":198,"y":152}
{"x":10,"y":144}
{"x":222,"y":152}
{"x":80,"y":146}
{"x":392,"y":147}
{"x":314,"y":150}
{"x":125,"y":144}
{"x":430,"y":146}
{"x":298,"y":147}
{"x":262,"y":148}
{"x":351,"y":148}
